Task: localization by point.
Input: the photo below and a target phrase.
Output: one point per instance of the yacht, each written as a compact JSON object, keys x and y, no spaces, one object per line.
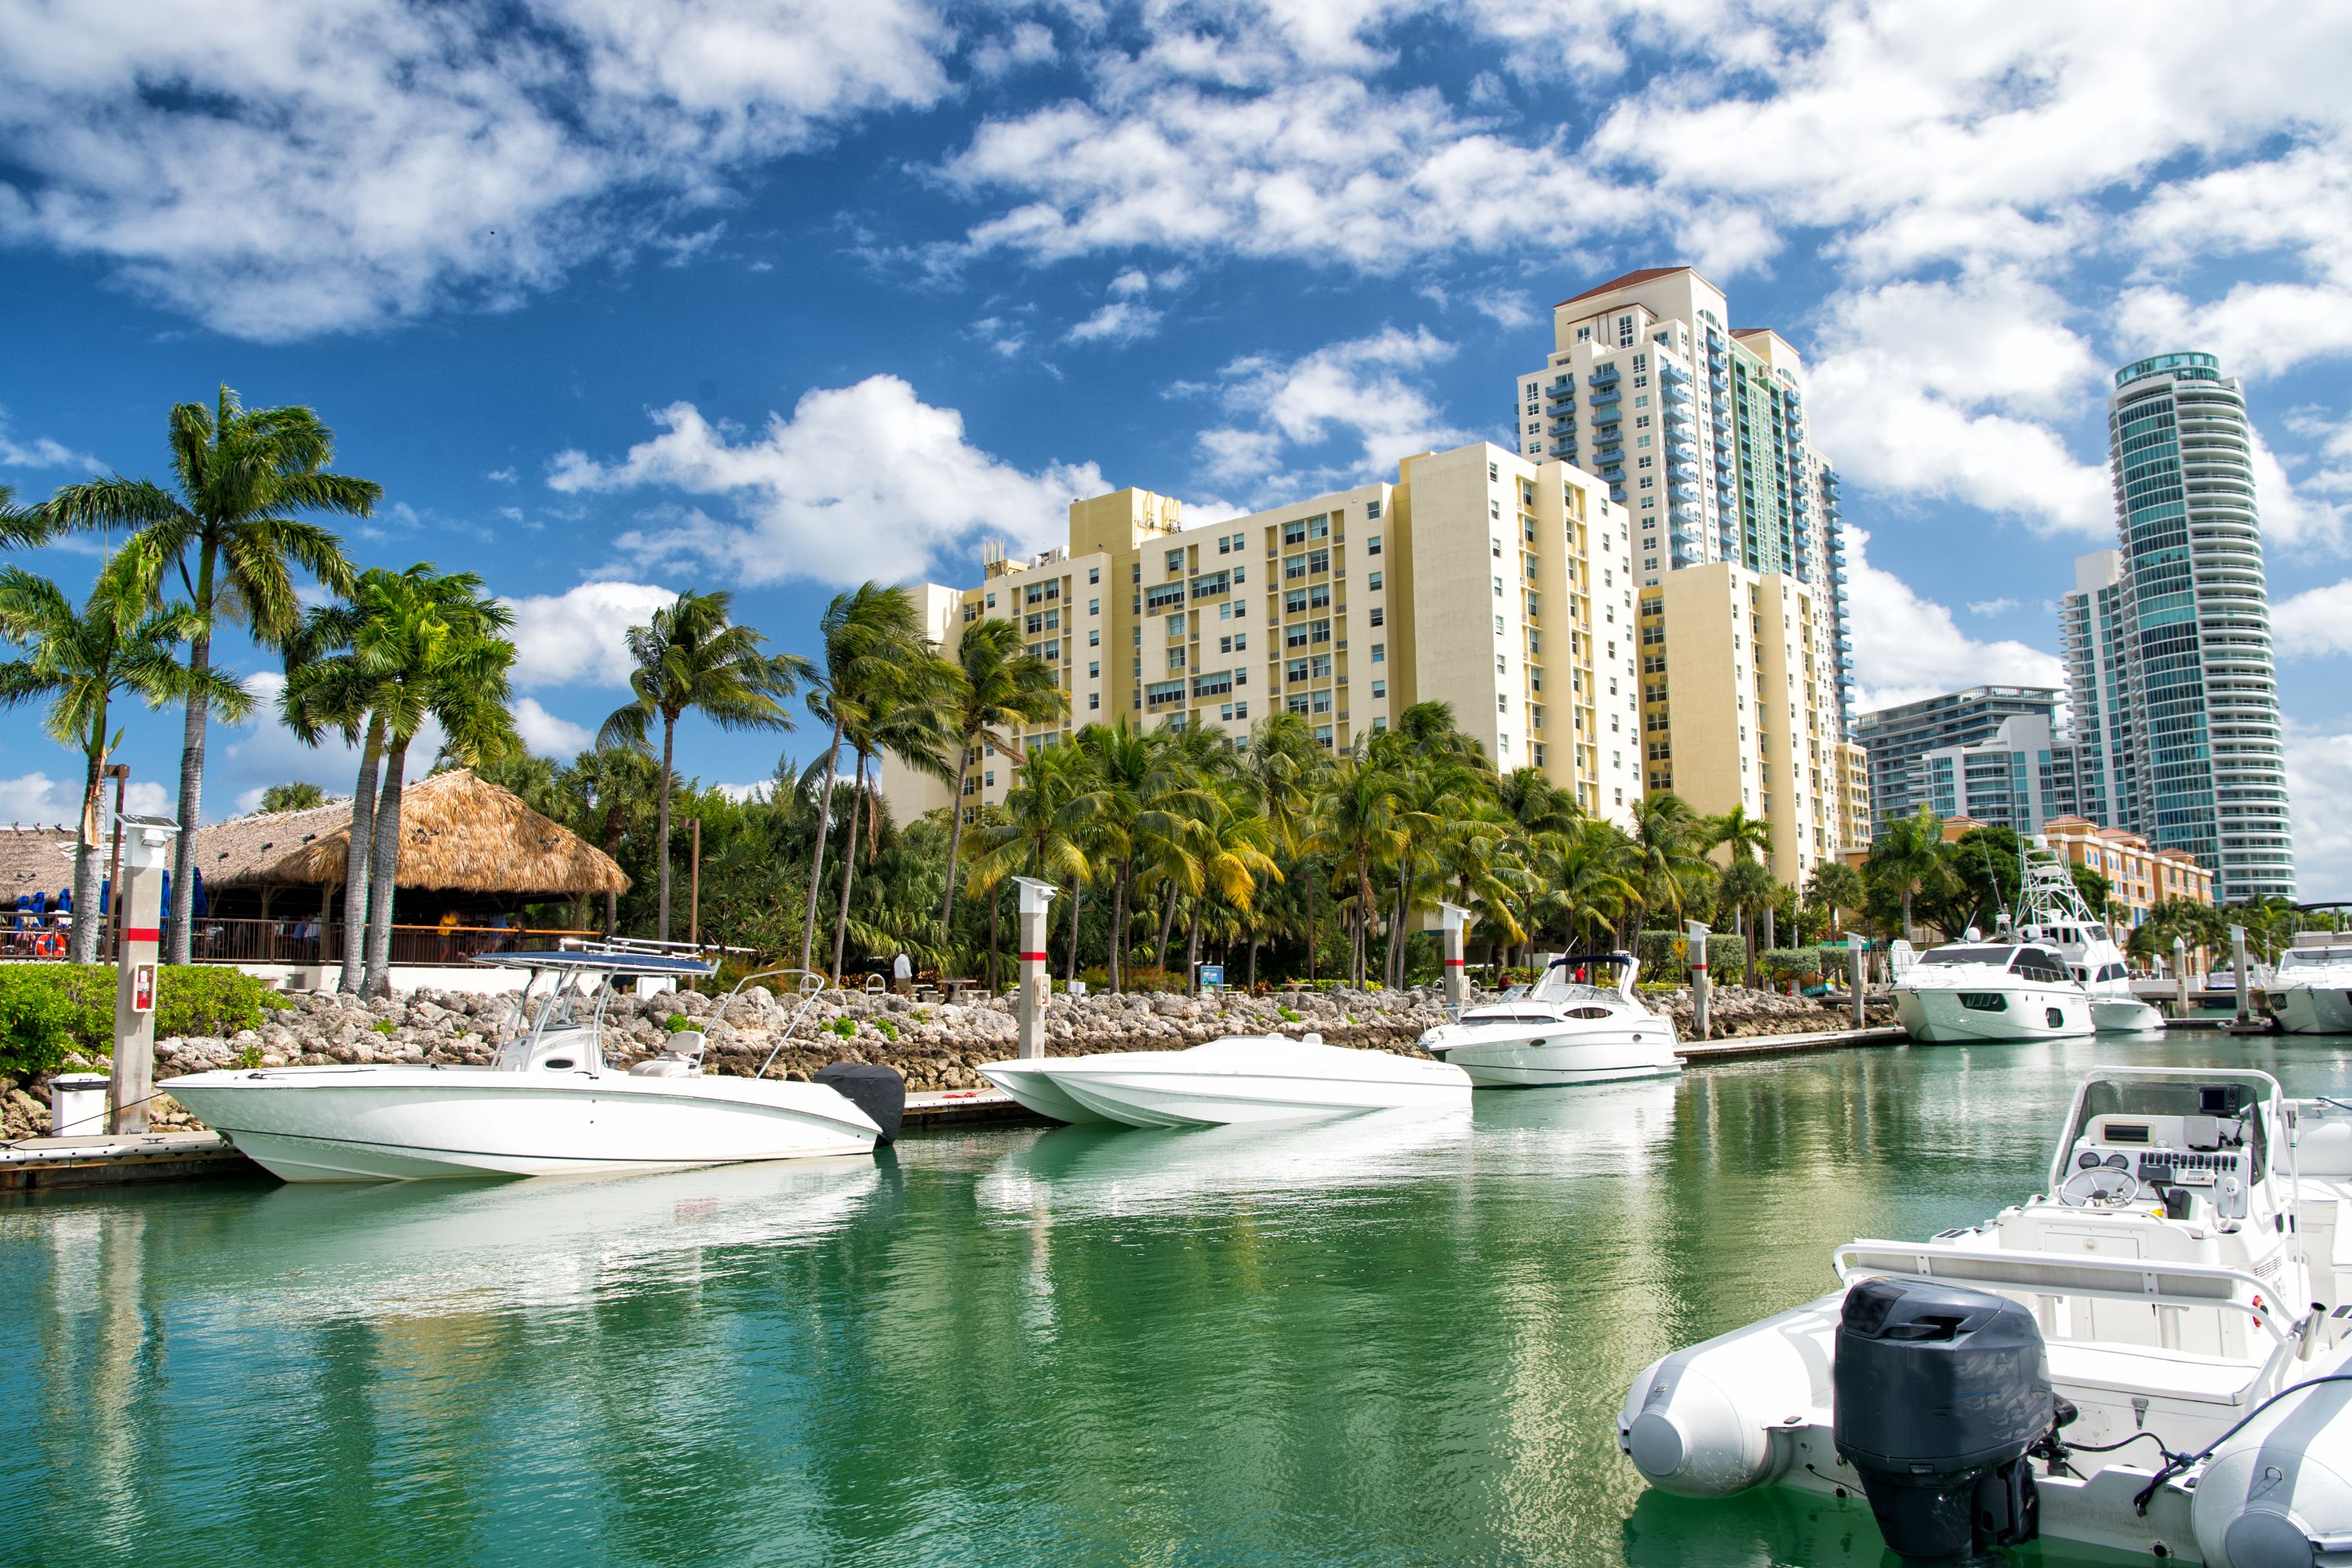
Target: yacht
{"x":1242,"y":1077}
{"x":1567,"y":1030}
{"x":2146,"y":1355}
{"x":546,"y":1104}
{"x":2310,"y":989}
{"x":2053,"y":911}
{"x":2005,"y":989}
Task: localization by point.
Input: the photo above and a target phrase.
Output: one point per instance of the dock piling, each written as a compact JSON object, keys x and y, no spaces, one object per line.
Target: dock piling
{"x":1035,"y":898}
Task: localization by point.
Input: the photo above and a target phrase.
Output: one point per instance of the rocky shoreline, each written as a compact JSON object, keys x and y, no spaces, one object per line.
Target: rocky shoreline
{"x":935,"y":1047}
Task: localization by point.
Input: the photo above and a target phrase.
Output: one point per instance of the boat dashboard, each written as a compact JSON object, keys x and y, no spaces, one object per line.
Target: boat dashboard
{"x":2122,"y":1160}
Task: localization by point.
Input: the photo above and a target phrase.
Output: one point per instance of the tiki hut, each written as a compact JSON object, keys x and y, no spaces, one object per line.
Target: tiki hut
{"x":468,"y":848}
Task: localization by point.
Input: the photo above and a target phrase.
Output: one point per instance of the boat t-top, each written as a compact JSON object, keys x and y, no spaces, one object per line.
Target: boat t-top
{"x":2310,"y":989}
{"x":548,"y":1102}
{"x":2053,"y":911}
{"x":1568,"y":1028}
{"x":2147,"y":1354}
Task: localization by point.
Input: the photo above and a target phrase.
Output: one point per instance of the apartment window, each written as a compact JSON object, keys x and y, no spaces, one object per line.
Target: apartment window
{"x":1379,"y":617}
{"x":1318,"y":527}
{"x":988,"y":781}
{"x":1294,"y":533}
{"x":1496,"y":548}
{"x":1318,"y":631}
{"x":1035,"y":624}
{"x":1318,"y":561}
{"x":1499,"y":587}
{"x":1294,"y":603}
{"x":1502,"y":702}
{"x":1373,"y":545}
{"x":1094,"y":575}
{"x":1294,"y":637}
{"x":1380,"y":653}
{"x":1176,"y":657}
{"x":992,"y":601}
{"x":1375,"y":582}
{"x":1321,"y":666}
{"x":1372,"y":510}
{"x":1134,"y":571}
{"x":1494,"y":509}
{"x":1498,"y":626}
{"x":1225,"y":644}
{"x":1295,"y":671}
{"x":1175,"y":626}
{"x":1094,"y":607}
{"x":1380,"y":689}
{"x":1225,"y":547}
{"x":1094,"y":669}
{"x":1241,"y":575}
{"x":1296,"y":704}
{"x":1293,"y":566}
{"x":1501,"y":665}
{"x":1094,"y":639}
{"x":1175,"y":561}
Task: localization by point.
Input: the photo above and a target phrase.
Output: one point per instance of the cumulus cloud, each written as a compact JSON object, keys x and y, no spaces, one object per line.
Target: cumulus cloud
{"x":1294,"y":419}
{"x":2315,"y":622}
{"x":546,"y":735}
{"x":858,"y":481}
{"x":36,"y":799}
{"x":446,"y":155}
{"x":1120,"y":322}
{"x":263,"y":751}
{"x":41,"y":452}
{"x":1990,"y":607}
{"x":577,"y":637}
{"x":2319,"y":800}
{"x":1907,"y":647}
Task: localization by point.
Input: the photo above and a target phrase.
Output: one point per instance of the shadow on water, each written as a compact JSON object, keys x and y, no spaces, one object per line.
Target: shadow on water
{"x":1390,"y":1340}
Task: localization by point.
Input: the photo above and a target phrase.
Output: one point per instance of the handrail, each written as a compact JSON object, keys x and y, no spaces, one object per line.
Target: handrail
{"x":811,"y":986}
{"x":2145,"y":1270}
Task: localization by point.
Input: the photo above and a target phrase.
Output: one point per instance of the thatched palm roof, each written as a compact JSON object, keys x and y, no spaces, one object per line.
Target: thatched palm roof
{"x":34,"y":858}
{"x":456,"y":832}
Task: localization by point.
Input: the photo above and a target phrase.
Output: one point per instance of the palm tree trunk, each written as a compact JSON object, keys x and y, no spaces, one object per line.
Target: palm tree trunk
{"x":1309,"y":869}
{"x":1395,"y":975}
{"x":816,"y":857}
{"x":669,"y":737}
{"x":955,"y":830}
{"x":1193,"y":952}
{"x":1077,"y":894}
{"x":191,"y":771}
{"x":1167,"y":925}
{"x":1769,"y":929}
{"x":1121,"y":891}
{"x":381,"y":884}
{"x":995,"y":916}
{"x":86,"y":922}
{"x":1909,"y":935}
{"x":848,"y":868}
{"x":1253,"y":964}
{"x":357,"y":859}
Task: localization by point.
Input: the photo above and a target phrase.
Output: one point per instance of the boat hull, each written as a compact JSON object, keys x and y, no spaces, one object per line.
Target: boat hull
{"x":2311,"y":1010}
{"x":1546,"y":1062}
{"x":409,"y":1123}
{"x":1031,"y":1088}
{"x":2124,"y":1015}
{"x":1241,"y":1081}
{"x":1938,"y":1017}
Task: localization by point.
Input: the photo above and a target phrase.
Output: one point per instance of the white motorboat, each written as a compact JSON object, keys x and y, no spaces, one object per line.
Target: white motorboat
{"x":2053,"y":911}
{"x":1029,"y":1083}
{"x":1242,"y":1077}
{"x":1567,"y":1030}
{"x":547,"y":1104}
{"x":2006,"y":989}
{"x":2148,"y":1355}
{"x":2310,"y":989}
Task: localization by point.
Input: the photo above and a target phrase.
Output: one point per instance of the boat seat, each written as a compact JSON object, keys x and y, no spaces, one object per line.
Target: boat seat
{"x":680,"y":1056}
{"x":2144,"y":1369}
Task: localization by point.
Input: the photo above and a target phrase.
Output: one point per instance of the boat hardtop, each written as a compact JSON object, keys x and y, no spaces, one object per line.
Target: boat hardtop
{"x":2173,"y":1298}
{"x":1568,"y":1028}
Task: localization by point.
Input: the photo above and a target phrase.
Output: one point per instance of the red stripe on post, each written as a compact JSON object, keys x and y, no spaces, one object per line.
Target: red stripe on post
{"x":1698,"y":968}
{"x":1453,"y":964}
{"x":1032,"y":958}
{"x":142,"y":933}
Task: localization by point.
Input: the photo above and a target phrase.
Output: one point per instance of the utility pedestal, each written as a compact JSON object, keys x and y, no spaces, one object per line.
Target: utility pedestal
{"x":1451,"y":918}
{"x":1035,"y":898}
{"x":1856,"y":944}
{"x":2238,"y":967}
{"x":1695,"y":933}
{"x":2179,"y":978}
{"x":146,"y":848}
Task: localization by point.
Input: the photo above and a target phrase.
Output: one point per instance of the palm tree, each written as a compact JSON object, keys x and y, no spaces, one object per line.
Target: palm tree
{"x":609,"y":793}
{"x":1357,"y":813}
{"x":1231,"y":846}
{"x":1666,"y":855}
{"x":1134,"y":805}
{"x":1837,"y":887}
{"x":1744,"y":885}
{"x":1746,"y":838}
{"x":1034,"y":834}
{"x":995,"y":681}
{"x":1283,"y":767}
{"x":863,"y":633}
{"x":242,"y":475}
{"x":79,"y":661}
{"x":299,"y":795}
{"x":1907,"y":858}
{"x":903,"y":717}
{"x":689,"y":658}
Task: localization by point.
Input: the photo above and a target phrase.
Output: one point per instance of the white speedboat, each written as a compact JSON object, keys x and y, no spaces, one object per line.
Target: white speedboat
{"x":547,"y":1104}
{"x":2310,"y":989}
{"x":1567,"y":1030}
{"x":2148,"y":1355}
{"x":2005,"y":989}
{"x":1242,"y":1077}
{"x":2053,"y":911}
{"x":1029,"y":1083}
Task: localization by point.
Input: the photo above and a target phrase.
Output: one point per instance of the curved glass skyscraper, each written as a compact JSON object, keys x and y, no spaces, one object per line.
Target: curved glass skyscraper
{"x":2210,"y":771}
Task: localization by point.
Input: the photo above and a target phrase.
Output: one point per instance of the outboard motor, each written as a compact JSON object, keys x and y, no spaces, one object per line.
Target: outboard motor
{"x":876,"y":1090}
{"x":1940,"y":1392}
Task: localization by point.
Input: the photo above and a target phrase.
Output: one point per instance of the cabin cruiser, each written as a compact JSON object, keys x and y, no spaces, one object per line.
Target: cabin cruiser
{"x":2310,"y":989}
{"x":2053,"y":911}
{"x":2005,"y":989}
{"x":546,"y":1104}
{"x":1567,"y":1030}
{"x":2148,"y":1355}
{"x":1242,"y":1077}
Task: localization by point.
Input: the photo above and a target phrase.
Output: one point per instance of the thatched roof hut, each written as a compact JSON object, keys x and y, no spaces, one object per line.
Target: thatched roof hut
{"x":34,"y":858}
{"x":458,"y":833}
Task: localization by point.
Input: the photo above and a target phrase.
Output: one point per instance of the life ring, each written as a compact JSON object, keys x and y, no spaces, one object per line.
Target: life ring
{"x":50,"y":944}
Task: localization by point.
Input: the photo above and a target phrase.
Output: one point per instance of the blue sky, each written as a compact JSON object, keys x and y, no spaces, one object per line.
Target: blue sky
{"x":777,"y":295}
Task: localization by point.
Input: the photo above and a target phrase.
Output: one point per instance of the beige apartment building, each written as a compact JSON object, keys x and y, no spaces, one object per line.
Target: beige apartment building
{"x":1496,"y":582}
{"x":1740,"y":708}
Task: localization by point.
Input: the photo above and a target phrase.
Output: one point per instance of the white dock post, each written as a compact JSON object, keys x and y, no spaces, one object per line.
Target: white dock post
{"x":1856,"y":945}
{"x":1695,"y":933}
{"x":1453,"y":917}
{"x":146,"y":846}
{"x":2238,"y":966}
{"x":2179,"y":977}
{"x":1035,"y":897}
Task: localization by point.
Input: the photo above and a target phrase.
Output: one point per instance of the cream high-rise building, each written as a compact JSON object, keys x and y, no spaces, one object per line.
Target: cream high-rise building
{"x":1501,"y":584}
{"x":1740,"y":709}
{"x":1700,"y":431}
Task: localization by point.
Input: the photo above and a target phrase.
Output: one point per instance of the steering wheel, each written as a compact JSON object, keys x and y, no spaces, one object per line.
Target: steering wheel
{"x":2101,"y":1186}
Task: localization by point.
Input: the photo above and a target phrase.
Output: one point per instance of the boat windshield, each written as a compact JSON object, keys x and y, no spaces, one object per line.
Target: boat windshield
{"x":2311,"y":957}
{"x":574,"y":1002}
{"x":2237,"y":1109}
{"x":1997,"y":955}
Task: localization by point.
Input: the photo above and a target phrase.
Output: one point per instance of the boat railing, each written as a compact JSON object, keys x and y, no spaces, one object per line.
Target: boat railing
{"x":811,"y":987}
{"x":2147,"y":1280}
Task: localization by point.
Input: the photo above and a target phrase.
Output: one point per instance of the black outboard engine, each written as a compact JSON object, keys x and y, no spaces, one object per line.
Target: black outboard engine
{"x":876,"y":1090}
{"x":1940,"y":1392}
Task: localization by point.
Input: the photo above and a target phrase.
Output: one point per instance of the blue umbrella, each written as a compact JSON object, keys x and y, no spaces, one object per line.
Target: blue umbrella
{"x":65,"y":900}
{"x":105,"y":894}
{"x":200,"y":903}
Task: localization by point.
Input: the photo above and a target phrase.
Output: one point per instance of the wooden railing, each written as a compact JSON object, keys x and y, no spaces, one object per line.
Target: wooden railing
{"x":244,"y":940}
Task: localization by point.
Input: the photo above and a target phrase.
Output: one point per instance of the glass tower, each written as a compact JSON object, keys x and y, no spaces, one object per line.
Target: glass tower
{"x":2201,"y":688}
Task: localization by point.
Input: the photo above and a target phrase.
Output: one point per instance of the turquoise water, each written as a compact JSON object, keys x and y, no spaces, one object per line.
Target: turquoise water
{"x":1373,"y":1341}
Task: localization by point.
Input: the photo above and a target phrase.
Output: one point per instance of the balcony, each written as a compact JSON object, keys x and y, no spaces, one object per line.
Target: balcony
{"x":1603,"y":397}
{"x":1605,"y":376}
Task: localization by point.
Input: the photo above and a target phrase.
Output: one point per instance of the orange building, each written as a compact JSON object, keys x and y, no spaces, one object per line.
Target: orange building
{"x":2138,"y":876}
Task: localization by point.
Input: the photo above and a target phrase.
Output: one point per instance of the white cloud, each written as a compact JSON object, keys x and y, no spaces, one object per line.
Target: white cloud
{"x":1291,"y":412}
{"x":505,"y":475}
{"x":1508,"y":307}
{"x":1131,"y":282}
{"x":1907,"y":647}
{"x":444,"y":155}
{"x":1120,"y":322}
{"x":1990,"y":607}
{"x":2319,"y":800}
{"x":1029,"y":43}
{"x":2315,"y":622}
{"x":763,"y":791}
{"x":35,"y":799}
{"x":546,"y":735}
{"x":575,"y":638}
{"x":860,"y":481}
{"x":41,"y":452}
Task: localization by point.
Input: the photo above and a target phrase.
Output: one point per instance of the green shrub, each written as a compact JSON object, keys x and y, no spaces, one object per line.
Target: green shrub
{"x":38,"y":1023}
{"x":676,"y":1023}
{"x":384,"y":1026}
{"x":844,"y":1027}
{"x":1288,"y":1015}
{"x":48,"y":1009}
{"x":888,"y":1027}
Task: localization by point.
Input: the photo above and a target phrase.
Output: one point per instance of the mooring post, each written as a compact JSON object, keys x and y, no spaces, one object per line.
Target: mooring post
{"x":2238,"y":967}
{"x":1695,"y":933}
{"x":1035,"y":896}
{"x":2179,"y":978}
{"x":145,"y":845}
{"x":1856,"y":945}
{"x":1451,"y":917}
